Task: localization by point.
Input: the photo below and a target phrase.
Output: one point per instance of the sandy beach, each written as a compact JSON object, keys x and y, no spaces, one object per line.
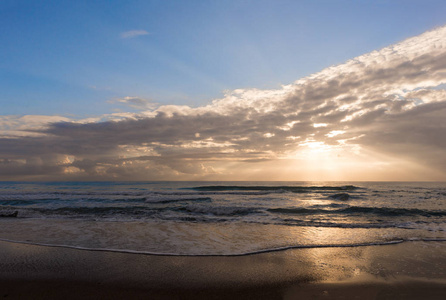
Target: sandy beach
{"x":410,"y":270}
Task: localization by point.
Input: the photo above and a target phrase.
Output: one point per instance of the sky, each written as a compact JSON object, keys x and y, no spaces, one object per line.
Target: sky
{"x":223,"y":90}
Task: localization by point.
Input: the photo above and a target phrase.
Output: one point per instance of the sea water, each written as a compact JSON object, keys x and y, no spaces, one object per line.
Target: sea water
{"x":220,"y":218}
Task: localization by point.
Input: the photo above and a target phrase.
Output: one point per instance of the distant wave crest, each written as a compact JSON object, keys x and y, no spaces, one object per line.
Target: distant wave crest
{"x":293,"y":189}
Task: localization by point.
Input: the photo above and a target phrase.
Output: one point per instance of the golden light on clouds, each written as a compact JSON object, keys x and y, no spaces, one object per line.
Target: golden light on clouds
{"x":380,"y":116}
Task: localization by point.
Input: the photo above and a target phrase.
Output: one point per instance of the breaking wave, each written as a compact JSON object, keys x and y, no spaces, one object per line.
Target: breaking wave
{"x":380,"y":211}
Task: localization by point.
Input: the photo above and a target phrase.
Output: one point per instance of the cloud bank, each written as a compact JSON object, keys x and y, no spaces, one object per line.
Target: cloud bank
{"x":379,"y":116}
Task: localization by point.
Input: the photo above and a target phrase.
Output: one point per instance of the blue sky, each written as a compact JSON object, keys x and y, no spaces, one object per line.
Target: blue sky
{"x":72,"y":58}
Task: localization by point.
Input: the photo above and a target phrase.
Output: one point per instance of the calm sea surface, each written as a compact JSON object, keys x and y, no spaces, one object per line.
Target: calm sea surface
{"x":220,"y":218}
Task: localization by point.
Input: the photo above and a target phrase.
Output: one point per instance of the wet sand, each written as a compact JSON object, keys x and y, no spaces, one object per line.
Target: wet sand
{"x":410,"y":270}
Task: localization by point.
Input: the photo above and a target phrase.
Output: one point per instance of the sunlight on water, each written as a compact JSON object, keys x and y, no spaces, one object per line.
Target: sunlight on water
{"x":220,"y":219}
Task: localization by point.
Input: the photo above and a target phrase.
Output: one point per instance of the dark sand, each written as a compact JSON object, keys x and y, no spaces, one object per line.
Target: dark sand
{"x":411,"y":270}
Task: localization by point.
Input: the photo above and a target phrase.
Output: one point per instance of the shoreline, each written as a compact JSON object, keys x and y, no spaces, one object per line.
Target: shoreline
{"x":397,"y":271}
{"x":256,"y":252}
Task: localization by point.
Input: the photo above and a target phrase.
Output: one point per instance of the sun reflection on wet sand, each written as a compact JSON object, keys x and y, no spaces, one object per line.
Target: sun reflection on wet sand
{"x":188,"y":238}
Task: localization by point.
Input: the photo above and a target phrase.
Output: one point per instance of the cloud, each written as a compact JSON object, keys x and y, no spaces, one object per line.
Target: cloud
{"x":137,"y":103}
{"x":14,"y":126}
{"x":380,"y":116}
{"x":133,"y":33}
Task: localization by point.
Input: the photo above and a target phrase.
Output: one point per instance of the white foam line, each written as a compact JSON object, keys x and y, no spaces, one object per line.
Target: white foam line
{"x":223,"y":255}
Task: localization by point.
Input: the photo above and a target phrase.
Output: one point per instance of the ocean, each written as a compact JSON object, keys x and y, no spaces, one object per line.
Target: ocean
{"x":220,"y":218}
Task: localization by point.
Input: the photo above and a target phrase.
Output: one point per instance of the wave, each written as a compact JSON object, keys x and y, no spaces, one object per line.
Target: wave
{"x":98,"y":211}
{"x":293,"y":189}
{"x":70,"y":201}
{"x":134,"y":211}
{"x":184,"y":209}
{"x":147,"y":211}
{"x":254,"y":252}
{"x":171,"y":200}
{"x":18,"y":198}
{"x":203,"y":215}
{"x":21,"y":194}
{"x":220,"y":211}
{"x":302,"y":223}
{"x":380,"y":211}
{"x":341,"y":196}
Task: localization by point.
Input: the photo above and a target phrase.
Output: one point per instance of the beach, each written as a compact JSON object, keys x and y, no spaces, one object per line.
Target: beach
{"x":408,"y":270}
